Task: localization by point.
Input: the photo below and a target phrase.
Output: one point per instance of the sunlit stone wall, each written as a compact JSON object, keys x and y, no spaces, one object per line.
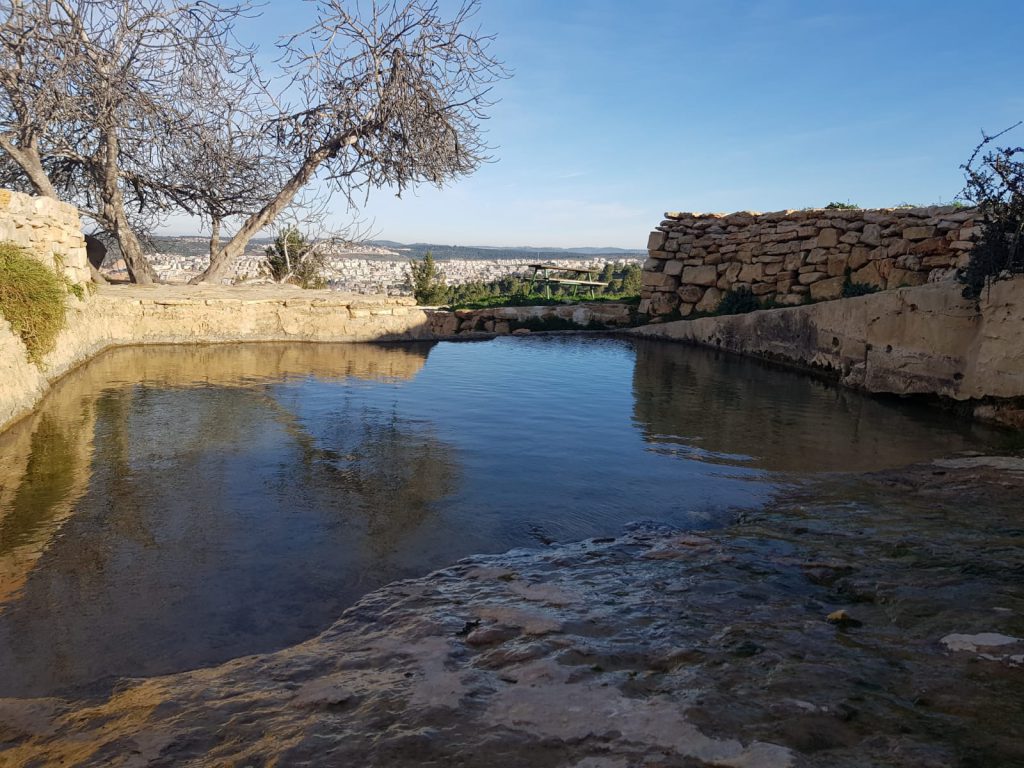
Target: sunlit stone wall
{"x":48,"y":228}
{"x":795,"y":257}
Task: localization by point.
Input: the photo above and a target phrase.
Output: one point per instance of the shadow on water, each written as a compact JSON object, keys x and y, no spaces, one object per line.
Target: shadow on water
{"x":719,"y":407}
{"x":174,"y":507}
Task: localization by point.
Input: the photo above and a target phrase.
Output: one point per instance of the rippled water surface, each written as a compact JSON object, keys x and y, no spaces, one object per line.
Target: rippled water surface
{"x":168,"y":508}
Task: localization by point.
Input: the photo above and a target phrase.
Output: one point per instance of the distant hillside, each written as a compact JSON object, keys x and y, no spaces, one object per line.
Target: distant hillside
{"x":199,"y":246}
{"x":416,"y":250}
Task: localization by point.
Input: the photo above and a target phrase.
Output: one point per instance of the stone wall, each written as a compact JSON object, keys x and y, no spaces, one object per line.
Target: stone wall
{"x":795,"y":257}
{"x":47,"y":228}
{"x":927,"y":340}
{"x":500,"y":321}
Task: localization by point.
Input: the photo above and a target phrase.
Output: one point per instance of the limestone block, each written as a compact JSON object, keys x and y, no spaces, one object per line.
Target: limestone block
{"x":663,"y":303}
{"x":710,"y":301}
{"x":704,"y":275}
{"x":827,"y":238}
{"x":656,"y":240}
{"x":690,"y":294}
{"x":858,"y":257}
{"x":931,"y":245}
{"x":807,"y":278}
{"x":871,"y":234}
{"x":826,"y":290}
{"x":918,"y":233}
{"x":751,"y":273}
{"x":837,"y":265}
{"x":869,"y":274}
{"x":674,"y":267}
{"x":762,"y":289}
{"x":899,"y":278}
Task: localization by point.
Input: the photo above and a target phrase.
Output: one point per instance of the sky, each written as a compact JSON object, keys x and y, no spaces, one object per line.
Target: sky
{"x":618,"y":111}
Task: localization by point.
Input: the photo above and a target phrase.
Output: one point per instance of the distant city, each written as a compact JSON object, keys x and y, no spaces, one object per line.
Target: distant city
{"x":373,"y":266}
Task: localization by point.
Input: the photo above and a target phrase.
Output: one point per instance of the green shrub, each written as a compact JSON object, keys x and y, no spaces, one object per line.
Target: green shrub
{"x":852,"y":289}
{"x":847,"y":206}
{"x":738,"y":302}
{"x":428,"y":283}
{"x":294,"y":259}
{"x":31,"y":300}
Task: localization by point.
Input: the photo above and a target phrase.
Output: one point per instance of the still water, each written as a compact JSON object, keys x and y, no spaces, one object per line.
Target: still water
{"x":174,"y":507}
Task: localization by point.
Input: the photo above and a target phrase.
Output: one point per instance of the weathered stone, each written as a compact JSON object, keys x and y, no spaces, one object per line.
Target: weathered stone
{"x":806,"y":278}
{"x":825,"y":290}
{"x":827,"y":238}
{"x":869,"y":275}
{"x":918,"y":233}
{"x":751,"y":273}
{"x":656,"y":240}
{"x":710,"y":301}
{"x":871,"y":234}
{"x":837,"y":265}
{"x":690,"y":294}
{"x":706,"y":276}
{"x":674,"y":267}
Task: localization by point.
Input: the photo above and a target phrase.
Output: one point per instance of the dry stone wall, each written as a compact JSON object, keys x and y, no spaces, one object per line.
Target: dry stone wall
{"x":47,"y":228}
{"x":789,"y":258}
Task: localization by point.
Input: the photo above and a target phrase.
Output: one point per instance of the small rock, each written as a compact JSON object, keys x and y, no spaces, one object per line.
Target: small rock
{"x":842,"y":619}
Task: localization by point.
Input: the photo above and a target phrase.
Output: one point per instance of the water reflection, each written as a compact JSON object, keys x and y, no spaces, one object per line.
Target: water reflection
{"x":183,"y":486}
{"x":725,"y":409}
{"x":173,"y":507}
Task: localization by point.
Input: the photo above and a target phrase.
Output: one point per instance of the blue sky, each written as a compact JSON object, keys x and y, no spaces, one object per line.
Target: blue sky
{"x":619,"y":111}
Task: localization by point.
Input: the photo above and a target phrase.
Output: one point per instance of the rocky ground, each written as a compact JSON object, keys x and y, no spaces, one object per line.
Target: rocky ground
{"x":857,"y":621}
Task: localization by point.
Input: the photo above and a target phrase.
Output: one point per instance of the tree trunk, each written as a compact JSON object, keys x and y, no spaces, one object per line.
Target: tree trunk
{"x":214,"y":238}
{"x":29,"y":161}
{"x":139,"y":269}
{"x":220,"y":266}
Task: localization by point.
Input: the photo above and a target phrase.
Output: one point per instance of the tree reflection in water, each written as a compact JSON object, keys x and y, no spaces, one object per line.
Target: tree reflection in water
{"x":218,"y":519}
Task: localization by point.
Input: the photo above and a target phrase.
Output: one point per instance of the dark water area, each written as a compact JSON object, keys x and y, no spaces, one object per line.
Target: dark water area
{"x":169,"y":508}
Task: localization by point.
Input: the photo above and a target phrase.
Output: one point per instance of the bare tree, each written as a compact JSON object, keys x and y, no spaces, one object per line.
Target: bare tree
{"x":391,"y":97}
{"x":133,"y":109}
{"x":94,"y":96}
{"x":994,"y":181}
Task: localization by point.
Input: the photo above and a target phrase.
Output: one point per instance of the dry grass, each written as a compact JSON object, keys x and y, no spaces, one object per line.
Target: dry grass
{"x":31,"y":300}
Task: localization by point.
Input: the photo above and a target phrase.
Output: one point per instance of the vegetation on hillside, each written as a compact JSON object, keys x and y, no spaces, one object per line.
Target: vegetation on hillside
{"x":994,"y":181}
{"x":31,"y":300}
{"x":431,"y":288}
{"x":294,"y":258}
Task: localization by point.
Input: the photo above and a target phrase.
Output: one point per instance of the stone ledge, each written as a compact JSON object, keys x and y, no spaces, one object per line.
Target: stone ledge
{"x":178,"y":314}
{"x":927,"y":340}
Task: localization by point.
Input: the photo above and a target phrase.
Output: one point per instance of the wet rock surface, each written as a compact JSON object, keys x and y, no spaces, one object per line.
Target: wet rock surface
{"x":655,"y":648}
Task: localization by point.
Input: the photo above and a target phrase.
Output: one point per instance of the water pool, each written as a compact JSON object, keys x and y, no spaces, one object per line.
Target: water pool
{"x":172,"y":507}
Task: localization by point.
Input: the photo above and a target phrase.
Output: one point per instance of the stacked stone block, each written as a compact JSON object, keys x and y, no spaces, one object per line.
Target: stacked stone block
{"x":794,"y":257}
{"x":47,"y":228}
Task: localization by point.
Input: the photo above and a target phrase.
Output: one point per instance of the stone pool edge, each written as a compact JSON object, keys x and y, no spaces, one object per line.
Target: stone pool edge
{"x":926,"y":341}
{"x":117,"y":316}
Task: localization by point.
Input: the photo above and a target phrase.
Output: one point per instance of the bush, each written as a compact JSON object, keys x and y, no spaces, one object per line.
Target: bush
{"x":852,"y":289}
{"x":738,"y":302}
{"x":847,"y":206}
{"x":294,"y":259}
{"x":31,"y":300}
{"x":994,"y":181}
